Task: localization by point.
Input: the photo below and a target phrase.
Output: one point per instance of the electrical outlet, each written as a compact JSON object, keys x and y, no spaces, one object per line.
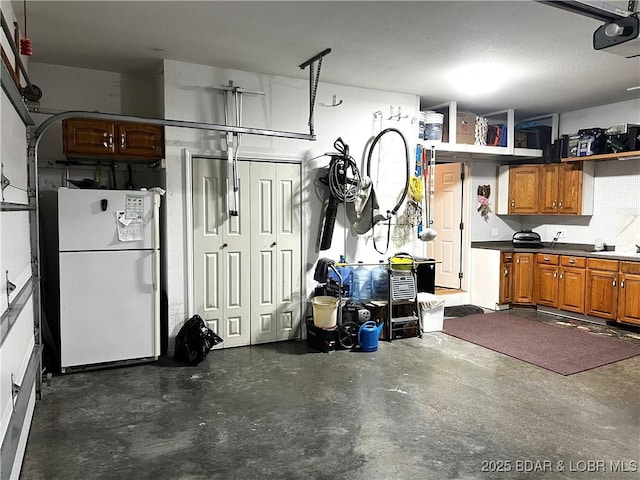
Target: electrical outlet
{"x":494,"y":232}
{"x":563,"y":234}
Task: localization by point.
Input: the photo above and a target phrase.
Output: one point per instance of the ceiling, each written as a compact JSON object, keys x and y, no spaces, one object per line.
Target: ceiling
{"x":543,"y":56}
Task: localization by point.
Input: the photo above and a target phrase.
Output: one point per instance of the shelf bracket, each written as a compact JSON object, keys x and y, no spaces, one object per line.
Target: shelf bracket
{"x":313,"y":82}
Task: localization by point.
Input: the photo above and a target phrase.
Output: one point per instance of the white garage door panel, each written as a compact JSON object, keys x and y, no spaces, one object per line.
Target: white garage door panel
{"x":15,"y":251}
{"x":14,"y":153}
{"x":14,"y":358}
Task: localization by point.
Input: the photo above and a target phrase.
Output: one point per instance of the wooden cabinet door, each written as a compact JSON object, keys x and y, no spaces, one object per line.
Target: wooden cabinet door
{"x":548,"y":189}
{"x":523,"y":278}
{"x":602,"y":293}
{"x":88,"y":137}
{"x":506,"y":283}
{"x":629,"y":293}
{"x":139,"y":140}
{"x":572,"y":289}
{"x":570,"y":188}
{"x":629,"y":299}
{"x":546,"y":285}
{"x":523,"y":189}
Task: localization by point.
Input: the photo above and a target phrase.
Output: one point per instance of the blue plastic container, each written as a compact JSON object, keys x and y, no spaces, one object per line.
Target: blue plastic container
{"x":380,"y":282}
{"x":361,"y":283}
{"x":346,"y":272}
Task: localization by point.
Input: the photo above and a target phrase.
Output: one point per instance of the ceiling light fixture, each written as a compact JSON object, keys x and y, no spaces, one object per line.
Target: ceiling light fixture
{"x":479,"y":79}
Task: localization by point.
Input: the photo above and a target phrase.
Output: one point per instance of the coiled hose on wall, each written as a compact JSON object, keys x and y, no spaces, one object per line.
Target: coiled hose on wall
{"x":394,"y":210}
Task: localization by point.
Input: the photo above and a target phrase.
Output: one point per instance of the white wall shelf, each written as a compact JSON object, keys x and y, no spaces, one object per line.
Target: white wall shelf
{"x":462,"y":151}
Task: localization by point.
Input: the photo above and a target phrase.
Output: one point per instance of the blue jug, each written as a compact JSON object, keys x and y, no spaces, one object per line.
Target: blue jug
{"x":368,"y":335}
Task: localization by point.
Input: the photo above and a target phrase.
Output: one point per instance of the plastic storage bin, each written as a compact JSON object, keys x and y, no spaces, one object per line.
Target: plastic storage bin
{"x":431,"y":312}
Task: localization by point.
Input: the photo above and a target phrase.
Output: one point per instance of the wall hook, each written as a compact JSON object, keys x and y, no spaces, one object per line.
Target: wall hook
{"x":335,"y":102}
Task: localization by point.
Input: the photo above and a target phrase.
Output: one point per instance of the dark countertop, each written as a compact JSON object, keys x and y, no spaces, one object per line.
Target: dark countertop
{"x":575,"y":249}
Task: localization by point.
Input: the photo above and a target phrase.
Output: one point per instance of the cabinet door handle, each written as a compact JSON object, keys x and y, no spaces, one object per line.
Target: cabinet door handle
{"x":111,"y":140}
{"x":518,"y":261}
{"x":554,"y":204}
{"x":573,"y":260}
{"x":123,"y":139}
{"x":555,"y":274}
{"x":273,"y":244}
{"x":622,"y":284}
{"x":506,"y":272}
{"x":224,"y":245}
{"x":614,"y":283}
{"x":513,"y":203}
{"x":562,"y":276}
{"x":560,"y":204}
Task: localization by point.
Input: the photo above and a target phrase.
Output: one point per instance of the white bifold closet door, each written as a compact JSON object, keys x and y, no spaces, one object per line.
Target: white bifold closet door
{"x":248,"y":268}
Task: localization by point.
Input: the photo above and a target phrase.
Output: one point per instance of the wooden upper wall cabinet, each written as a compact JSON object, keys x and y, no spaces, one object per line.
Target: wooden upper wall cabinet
{"x":561,"y":189}
{"x":85,"y":137}
{"x":523,"y":189}
{"x":546,"y":189}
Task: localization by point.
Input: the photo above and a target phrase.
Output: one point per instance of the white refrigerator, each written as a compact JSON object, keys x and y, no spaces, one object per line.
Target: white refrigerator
{"x":109,"y":276}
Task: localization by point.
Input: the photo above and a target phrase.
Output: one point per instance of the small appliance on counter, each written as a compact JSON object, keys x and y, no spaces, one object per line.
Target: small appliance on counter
{"x":526,"y":239}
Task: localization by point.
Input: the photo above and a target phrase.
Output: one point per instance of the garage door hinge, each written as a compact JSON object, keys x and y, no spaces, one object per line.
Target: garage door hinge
{"x":460,"y":275}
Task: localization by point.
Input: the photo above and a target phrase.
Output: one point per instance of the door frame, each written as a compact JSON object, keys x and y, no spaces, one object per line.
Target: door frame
{"x":187,"y":160}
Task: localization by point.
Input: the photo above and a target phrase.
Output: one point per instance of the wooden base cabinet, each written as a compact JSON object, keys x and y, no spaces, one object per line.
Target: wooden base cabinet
{"x":629,"y":293}
{"x":602,"y":288}
{"x":546,"y":280}
{"x":523,"y":275}
{"x":571,"y":296}
{"x":506,"y":278}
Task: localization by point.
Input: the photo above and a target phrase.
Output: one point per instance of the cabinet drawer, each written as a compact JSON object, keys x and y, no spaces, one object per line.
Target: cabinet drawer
{"x":630,"y":267}
{"x":507,"y":257}
{"x":570,"y":261}
{"x":600,"y":264}
{"x":547,"y":259}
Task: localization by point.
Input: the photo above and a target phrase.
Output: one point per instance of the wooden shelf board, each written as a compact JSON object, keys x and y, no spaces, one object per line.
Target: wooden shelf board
{"x":605,"y":156}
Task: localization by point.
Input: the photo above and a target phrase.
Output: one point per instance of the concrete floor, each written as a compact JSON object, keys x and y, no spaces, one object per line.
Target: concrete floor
{"x":430,"y":408}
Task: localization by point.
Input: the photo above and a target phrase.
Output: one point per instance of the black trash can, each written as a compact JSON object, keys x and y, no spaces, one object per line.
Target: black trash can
{"x":425,"y":275}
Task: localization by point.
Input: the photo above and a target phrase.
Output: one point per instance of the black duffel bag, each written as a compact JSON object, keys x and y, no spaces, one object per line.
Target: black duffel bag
{"x":194,"y":340}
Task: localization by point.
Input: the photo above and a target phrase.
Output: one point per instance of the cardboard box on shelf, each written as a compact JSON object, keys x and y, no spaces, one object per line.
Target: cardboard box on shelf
{"x":465,"y":128}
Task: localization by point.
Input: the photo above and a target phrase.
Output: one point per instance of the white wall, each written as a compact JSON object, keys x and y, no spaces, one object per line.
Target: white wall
{"x":485,"y":173}
{"x":190,"y":94}
{"x":616,"y":182}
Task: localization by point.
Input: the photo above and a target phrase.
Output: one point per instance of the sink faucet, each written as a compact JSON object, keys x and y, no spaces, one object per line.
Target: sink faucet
{"x":555,"y":239}
{"x":637,"y":248}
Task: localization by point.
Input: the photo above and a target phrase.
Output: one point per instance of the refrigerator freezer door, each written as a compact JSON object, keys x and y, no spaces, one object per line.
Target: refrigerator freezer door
{"x":88,"y":219}
{"x":107,"y":307}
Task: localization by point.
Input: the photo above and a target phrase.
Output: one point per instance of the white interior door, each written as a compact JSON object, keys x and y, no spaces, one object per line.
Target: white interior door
{"x":447,"y":217}
{"x":276,"y":250}
{"x":222,"y":251}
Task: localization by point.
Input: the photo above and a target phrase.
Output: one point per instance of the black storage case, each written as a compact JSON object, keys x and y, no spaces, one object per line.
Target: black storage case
{"x":538,"y":137}
{"x":319,"y":338}
{"x":425,"y":275}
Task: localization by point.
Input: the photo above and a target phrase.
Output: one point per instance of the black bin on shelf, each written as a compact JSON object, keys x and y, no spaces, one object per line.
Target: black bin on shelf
{"x":425,"y":275}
